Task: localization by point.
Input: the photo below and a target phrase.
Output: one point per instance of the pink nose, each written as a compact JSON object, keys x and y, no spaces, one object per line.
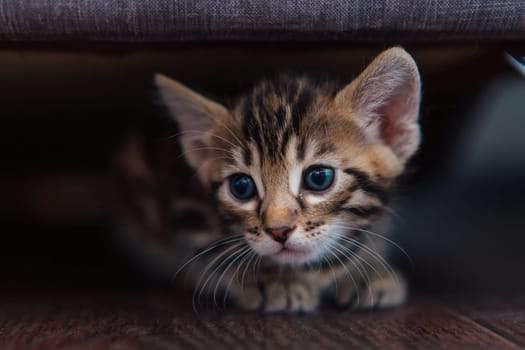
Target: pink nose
{"x":279,"y":234}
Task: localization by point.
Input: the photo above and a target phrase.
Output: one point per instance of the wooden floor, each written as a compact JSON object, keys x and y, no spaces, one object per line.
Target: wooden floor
{"x":157,"y":320}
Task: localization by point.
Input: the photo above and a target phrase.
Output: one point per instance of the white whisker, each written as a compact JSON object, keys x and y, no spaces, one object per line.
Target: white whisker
{"x":382,"y":261}
{"x":361,"y":259}
{"x":364,"y":276}
{"x":349,"y":274}
{"x":333,"y":273}
{"x":239,"y":254}
{"x":207,"y":268}
{"x":230,"y":131}
{"x":246,"y":257}
{"x":379,"y":236}
{"x":360,"y":269}
{"x":241,"y":282}
{"x":214,"y":245}
{"x":395,"y":214}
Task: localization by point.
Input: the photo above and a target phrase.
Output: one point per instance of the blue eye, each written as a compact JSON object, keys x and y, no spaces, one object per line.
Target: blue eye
{"x":318,"y":178}
{"x":242,"y":186}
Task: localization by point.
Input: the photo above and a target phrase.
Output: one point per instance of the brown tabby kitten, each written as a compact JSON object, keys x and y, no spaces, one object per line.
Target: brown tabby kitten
{"x":298,"y":173}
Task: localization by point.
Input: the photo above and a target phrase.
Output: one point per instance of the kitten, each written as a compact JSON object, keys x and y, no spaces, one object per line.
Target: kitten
{"x":291,"y":189}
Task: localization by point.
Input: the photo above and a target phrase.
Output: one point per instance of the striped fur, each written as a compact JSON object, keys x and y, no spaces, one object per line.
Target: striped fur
{"x":364,"y":131}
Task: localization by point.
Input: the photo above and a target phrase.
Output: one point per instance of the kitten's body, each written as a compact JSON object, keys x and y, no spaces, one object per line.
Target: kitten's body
{"x":290,"y":241}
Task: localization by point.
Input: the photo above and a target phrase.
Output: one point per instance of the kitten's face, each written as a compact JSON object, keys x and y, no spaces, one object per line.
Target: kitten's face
{"x":297,"y":164}
{"x":292,"y":188}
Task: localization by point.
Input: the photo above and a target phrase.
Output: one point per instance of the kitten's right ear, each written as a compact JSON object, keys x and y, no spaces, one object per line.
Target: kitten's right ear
{"x":385,"y":100}
{"x":195,"y":116}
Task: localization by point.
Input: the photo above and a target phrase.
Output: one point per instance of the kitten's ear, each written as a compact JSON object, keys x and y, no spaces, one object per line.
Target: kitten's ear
{"x":385,"y":100}
{"x":195,"y":116}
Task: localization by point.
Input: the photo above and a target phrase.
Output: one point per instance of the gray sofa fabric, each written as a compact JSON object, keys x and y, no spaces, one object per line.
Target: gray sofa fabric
{"x":186,"y":20}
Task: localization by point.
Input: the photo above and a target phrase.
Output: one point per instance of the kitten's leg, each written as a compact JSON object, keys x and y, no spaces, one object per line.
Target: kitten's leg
{"x":387,"y":290}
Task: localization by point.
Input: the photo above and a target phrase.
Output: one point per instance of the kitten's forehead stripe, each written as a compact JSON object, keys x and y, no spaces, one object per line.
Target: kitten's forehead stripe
{"x":247,"y":156}
{"x":275,"y":111}
{"x":251,"y":126}
{"x":300,"y":106}
{"x":300,"y":150}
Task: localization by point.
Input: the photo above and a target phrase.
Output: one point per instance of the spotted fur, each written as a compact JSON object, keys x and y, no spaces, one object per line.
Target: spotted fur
{"x":335,"y":241}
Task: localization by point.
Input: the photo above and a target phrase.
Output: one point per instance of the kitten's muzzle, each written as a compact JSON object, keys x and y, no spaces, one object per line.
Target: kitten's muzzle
{"x":280,"y":234}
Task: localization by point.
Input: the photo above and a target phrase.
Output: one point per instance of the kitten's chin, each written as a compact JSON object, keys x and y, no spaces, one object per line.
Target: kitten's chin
{"x":292,"y":257}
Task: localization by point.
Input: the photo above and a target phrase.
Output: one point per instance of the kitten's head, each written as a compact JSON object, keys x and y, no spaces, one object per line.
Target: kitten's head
{"x":297,"y":162}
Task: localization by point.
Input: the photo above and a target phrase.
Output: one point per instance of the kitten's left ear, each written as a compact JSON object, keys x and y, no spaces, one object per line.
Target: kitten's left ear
{"x":195,"y":115}
{"x":385,"y":101}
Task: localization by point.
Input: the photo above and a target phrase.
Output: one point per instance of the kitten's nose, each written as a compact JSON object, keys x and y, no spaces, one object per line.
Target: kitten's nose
{"x":280,"y":234}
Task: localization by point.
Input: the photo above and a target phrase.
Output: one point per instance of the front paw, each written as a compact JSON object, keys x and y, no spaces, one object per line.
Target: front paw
{"x":382,"y":292}
{"x":294,"y":296}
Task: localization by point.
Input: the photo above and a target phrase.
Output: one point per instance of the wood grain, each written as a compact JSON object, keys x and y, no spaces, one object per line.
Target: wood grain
{"x":163,"y":321}
{"x":503,"y":316}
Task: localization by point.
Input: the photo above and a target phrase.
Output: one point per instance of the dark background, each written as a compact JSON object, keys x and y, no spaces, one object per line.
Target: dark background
{"x":65,"y":110}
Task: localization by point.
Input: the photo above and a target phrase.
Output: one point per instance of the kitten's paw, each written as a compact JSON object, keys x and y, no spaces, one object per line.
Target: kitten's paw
{"x":385,"y":292}
{"x":276,"y":297}
{"x":293,"y":297}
